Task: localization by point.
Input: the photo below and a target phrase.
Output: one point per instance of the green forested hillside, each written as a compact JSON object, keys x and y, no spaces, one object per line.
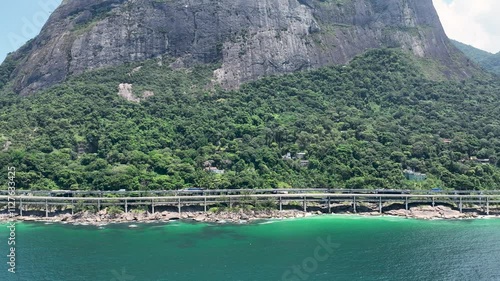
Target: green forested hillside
{"x":359,"y":126}
{"x":488,"y":61}
{"x":493,"y":63}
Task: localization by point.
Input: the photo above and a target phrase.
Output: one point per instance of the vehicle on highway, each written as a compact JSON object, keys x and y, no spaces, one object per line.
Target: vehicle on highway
{"x":190,"y":191}
{"x":194,"y":189}
{"x":61,"y":193}
{"x":390,"y":191}
{"x":280,"y":192}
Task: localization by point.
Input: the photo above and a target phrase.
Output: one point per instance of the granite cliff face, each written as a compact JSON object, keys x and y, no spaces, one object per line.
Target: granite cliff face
{"x":249,"y":38}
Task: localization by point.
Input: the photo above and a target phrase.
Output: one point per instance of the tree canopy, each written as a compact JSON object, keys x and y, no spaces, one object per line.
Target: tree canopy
{"x":354,"y":126}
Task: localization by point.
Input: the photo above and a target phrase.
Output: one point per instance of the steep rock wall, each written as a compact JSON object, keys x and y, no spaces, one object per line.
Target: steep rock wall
{"x":250,"y":39}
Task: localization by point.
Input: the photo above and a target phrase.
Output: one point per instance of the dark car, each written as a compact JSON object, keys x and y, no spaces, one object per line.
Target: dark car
{"x":389,"y":191}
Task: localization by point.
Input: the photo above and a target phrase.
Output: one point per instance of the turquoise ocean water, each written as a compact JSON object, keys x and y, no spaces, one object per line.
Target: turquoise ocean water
{"x":320,"y":249}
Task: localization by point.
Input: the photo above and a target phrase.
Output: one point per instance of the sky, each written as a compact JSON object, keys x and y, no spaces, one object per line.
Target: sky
{"x":474,"y":22}
{"x":21,"y":20}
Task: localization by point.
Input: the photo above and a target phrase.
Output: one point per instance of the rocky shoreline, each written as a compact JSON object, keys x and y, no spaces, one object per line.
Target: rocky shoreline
{"x":103,"y":217}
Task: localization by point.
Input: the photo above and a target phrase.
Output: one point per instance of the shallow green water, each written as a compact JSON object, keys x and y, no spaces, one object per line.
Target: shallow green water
{"x":356,"y":249}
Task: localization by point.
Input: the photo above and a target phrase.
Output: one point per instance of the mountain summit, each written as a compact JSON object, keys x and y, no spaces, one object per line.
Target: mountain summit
{"x":249,"y":39}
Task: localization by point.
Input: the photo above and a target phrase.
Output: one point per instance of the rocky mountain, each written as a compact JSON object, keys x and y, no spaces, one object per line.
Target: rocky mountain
{"x":487,"y":60}
{"x":248,"y":39}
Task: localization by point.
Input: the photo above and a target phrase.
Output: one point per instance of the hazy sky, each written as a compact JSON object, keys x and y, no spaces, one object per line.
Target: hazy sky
{"x":474,"y":22}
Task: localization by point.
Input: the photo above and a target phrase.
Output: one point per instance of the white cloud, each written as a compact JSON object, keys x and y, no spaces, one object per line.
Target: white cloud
{"x":474,"y":22}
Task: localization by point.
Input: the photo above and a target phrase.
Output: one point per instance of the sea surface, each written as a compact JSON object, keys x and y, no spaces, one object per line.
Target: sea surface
{"x":319,"y":249}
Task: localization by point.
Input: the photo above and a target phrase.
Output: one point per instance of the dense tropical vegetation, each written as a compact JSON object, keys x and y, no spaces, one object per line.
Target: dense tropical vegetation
{"x":489,"y":61}
{"x":360,"y":126}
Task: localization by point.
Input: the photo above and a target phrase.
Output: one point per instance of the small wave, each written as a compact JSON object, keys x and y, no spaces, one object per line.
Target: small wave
{"x":267,"y":222}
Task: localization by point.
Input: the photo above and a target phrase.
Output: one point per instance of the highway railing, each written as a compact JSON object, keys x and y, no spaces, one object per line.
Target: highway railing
{"x":208,"y":192}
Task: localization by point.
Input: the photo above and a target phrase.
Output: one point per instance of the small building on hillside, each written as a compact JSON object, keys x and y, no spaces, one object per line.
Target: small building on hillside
{"x":483,"y":161}
{"x":287,"y":156}
{"x":414,"y":176}
{"x":214,"y":170}
{"x":479,"y":160}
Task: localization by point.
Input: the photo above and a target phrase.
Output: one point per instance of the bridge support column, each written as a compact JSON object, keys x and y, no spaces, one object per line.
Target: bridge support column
{"x":179,"y":206}
{"x":98,"y":204}
{"x":305,"y":204}
{"x":205,"y":204}
{"x":433,"y":203}
{"x":329,"y":205}
{"x":126,"y":206}
{"x":380,"y":204}
{"x":488,"y":206}
{"x":72,"y":206}
{"x":152,"y":206}
{"x":406,"y":203}
{"x":354,"y":203}
{"x":21,"y":207}
{"x":230,"y":203}
{"x":46,"y":208}
{"x":281,"y":205}
{"x":460,"y":204}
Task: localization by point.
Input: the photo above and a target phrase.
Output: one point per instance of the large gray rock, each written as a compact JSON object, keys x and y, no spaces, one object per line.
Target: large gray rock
{"x":250,"y":38}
